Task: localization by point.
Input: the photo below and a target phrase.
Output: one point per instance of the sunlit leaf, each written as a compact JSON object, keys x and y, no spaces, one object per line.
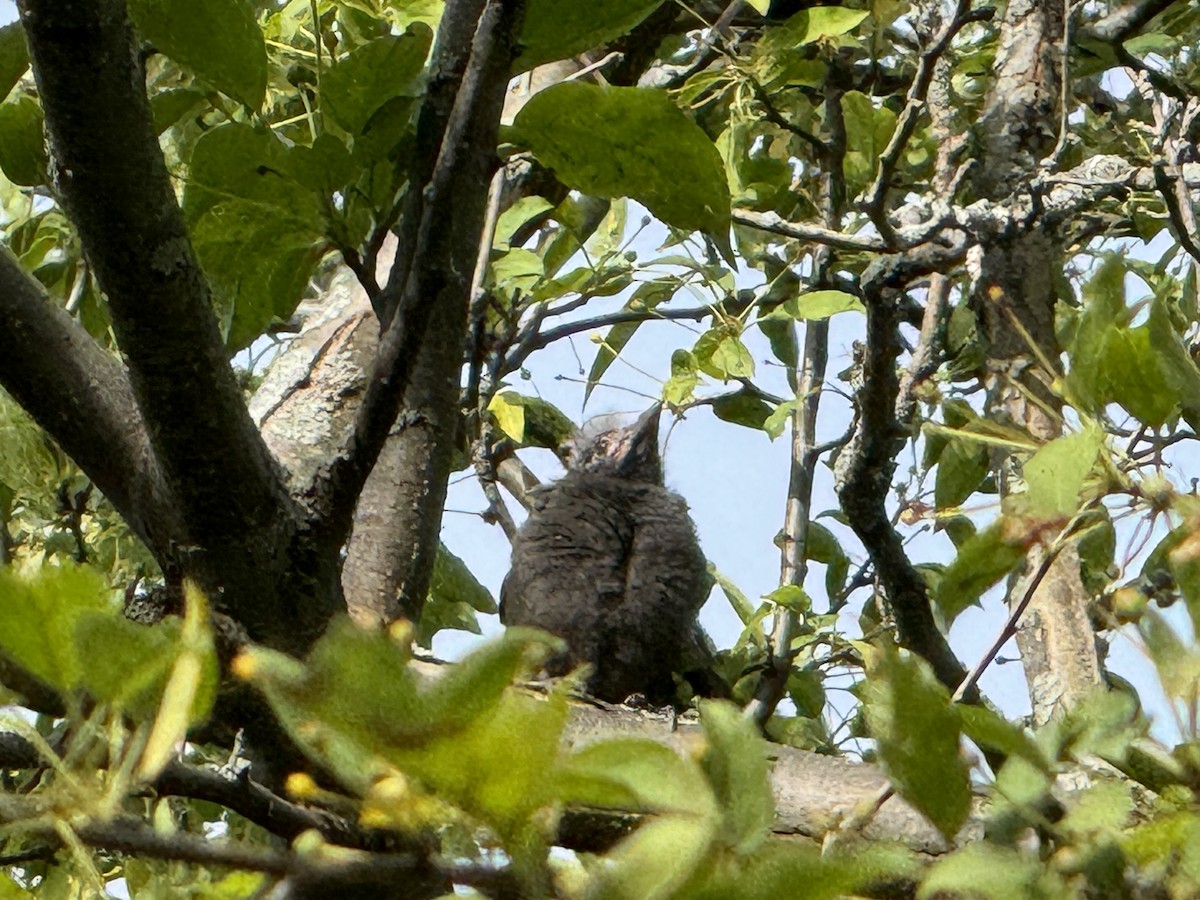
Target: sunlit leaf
{"x":629,"y":142}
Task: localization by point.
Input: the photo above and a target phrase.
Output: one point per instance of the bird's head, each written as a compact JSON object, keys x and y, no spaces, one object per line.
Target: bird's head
{"x":624,"y":451}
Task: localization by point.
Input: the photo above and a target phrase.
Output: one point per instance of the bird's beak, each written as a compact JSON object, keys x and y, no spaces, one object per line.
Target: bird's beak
{"x":639,"y":457}
{"x":645,"y":429}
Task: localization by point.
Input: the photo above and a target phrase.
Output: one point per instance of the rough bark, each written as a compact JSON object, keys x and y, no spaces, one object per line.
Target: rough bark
{"x":1015,"y":297}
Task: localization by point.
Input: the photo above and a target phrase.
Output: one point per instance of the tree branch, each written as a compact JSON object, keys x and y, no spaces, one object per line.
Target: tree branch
{"x":82,"y":397}
{"x":113,"y":183}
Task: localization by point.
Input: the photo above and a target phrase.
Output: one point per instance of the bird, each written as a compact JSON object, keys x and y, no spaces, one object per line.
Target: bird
{"x":608,"y":561}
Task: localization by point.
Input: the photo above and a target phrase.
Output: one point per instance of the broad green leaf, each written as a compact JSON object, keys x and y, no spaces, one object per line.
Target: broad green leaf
{"x":985,"y":871}
{"x":961,"y":467}
{"x":635,"y":868}
{"x":784,"y":346}
{"x":1136,"y":376}
{"x":496,"y":768}
{"x":219,"y":39}
{"x":455,"y":595}
{"x":1105,"y":311}
{"x":917,"y":732}
{"x":258,"y":264}
{"x":823,"y":547}
{"x":14,"y":56}
{"x":720,"y":353}
{"x":792,"y":597}
{"x":553,"y":30}
{"x":982,"y":560}
{"x":1178,"y":664}
{"x":635,"y":774}
{"x":40,"y":616}
{"x":357,"y":691}
{"x":629,"y":142}
{"x":517,"y":270}
{"x":991,"y":731}
{"x":1103,"y":808}
{"x":168,"y":107}
{"x":360,"y":84}
{"x":1178,"y":367}
{"x":868,"y":130}
{"x":810,"y":25}
{"x":817,"y":305}
{"x":742,"y":408}
{"x":1056,"y":472}
{"x":520,"y":213}
{"x":736,"y":765}
{"x":239,"y":162}
{"x":783,"y":868}
{"x":22,"y":144}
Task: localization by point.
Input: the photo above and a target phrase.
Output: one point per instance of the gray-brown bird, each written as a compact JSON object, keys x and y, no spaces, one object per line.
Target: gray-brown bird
{"x":608,"y":561}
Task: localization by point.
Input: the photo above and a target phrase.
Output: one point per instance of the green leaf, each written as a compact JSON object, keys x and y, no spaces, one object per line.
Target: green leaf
{"x":681,"y":385}
{"x":982,"y":560}
{"x":1176,"y":363}
{"x":1102,"y":809}
{"x":985,"y":871}
{"x":1177,"y":663}
{"x":553,"y":30}
{"x":239,"y":162}
{"x":792,"y":597}
{"x":1056,"y":472}
{"x":868,"y":130}
{"x":519,"y":214}
{"x":782,"y":336}
{"x":635,"y":867}
{"x":629,"y":142}
{"x":743,"y":409}
{"x":961,"y":468}
{"x":992,"y":731}
{"x":357,"y":695}
{"x":810,"y":25}
{"x":737,"y":599}
{"x":823,"y":547}
{"x":736,"y":765}
{"x":168,"y":107}
{"x":719,"y":352}
{"x":370,"y":76}
{"x":14,"y":56}
{"x":1136,"y":377}
{"x":455,"y":595}
{"x":917,"y":732}
{"x":816,"y":305}
{"x":40,"y":616}
{"x":257,"y":263}
{"x":218,"y":39}
{"x":453,"y":577}
{"x":22,"y":145}
{"x":777,"y":421}
{"x":635,"y":774}
{"x":791,"y":869}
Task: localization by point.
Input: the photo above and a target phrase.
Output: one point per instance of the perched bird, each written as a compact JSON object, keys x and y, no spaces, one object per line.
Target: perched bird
{"x":608,"y":561}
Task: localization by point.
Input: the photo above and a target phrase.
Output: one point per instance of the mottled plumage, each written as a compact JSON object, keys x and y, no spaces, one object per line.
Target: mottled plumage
{"x":608,"y":560}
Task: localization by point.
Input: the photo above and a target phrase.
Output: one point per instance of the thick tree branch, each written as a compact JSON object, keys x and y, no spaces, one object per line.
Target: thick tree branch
{"x":80,"y":394}
{"x":444,"y":249}
{"x":110,"y":175}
